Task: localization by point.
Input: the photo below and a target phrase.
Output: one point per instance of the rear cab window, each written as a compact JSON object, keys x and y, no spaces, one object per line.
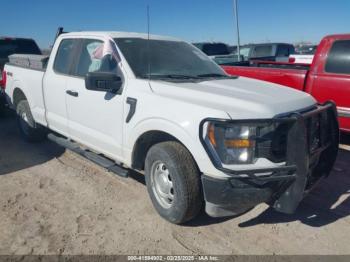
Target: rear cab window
{"x":215,"y":49}
{"x":338,"y":59}
{"x":262,"y":51}
{"x":282,"y":51}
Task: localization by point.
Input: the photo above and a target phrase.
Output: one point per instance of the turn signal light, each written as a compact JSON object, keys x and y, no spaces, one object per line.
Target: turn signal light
{"x":239,"y":143}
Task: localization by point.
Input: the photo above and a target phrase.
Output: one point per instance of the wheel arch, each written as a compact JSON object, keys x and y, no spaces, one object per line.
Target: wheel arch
{"x":144,"y":138}
{"x":145,"y":142}
{"x":18,"y":92}
{"x":17,"y":96}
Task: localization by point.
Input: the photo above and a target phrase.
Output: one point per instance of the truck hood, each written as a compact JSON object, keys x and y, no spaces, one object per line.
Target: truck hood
{"x":241,"y":98}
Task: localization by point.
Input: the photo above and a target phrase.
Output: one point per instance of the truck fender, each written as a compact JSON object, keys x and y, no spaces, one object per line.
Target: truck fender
{"x":19,"y":85}
{"x":170,"y":128}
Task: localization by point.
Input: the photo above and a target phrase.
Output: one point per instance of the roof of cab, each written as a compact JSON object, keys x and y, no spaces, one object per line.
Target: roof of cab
{"x":337,"y":36}
{"x":120,"y":35}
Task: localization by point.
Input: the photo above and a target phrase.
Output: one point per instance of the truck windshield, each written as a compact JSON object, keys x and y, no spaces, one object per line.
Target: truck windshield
{"x":18,"y":46}
{"x":167,"y":59}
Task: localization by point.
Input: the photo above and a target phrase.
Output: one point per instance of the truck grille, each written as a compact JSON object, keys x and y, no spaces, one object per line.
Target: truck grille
{"x":273,"y":144}
{"x":318,"y":131}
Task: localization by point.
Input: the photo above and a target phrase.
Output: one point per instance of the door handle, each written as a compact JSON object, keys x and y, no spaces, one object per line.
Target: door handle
{"x":72,"y":93}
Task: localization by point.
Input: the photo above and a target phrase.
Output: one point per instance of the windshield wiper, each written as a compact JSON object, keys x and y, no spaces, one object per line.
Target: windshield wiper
{"x":171,"y":76}
{"x":174,"y":76}
{"x":213,"y":75}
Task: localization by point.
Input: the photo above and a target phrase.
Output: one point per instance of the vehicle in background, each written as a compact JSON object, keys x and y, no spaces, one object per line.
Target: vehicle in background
{"x":160,"y":106}
{"x":305,"y":49}
{"x":213,"y":49}
{"x":232,"y":49}
{"x":301,"y":59}
{"x":220,"y":53}
{"x":46,"y":51}
{"x":279,"y":52}
{"x":9,"y":46}
{"x":326,"y":78}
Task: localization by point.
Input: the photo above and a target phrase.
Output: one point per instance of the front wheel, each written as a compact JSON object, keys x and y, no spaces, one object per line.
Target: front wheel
{"x":173,"y":182}
{"x":29,"y":129}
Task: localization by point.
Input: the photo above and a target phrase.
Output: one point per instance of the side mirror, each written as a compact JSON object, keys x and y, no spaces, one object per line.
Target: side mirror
{"x":103,"y":81}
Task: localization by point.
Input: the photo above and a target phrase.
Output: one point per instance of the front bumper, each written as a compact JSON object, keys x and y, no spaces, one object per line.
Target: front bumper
{"x":285,"y":186}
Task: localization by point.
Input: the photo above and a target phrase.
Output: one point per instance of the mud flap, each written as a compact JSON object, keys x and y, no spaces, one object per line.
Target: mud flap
{"x":297,"y":154}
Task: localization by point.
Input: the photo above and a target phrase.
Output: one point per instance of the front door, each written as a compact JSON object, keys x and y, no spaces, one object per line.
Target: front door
{"x":95,"y":117}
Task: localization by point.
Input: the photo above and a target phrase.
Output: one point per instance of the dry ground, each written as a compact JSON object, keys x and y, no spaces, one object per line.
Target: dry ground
{"x":54,"y":202}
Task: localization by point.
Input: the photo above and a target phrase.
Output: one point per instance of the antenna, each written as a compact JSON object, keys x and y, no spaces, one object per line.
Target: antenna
{"x":148,"y":46}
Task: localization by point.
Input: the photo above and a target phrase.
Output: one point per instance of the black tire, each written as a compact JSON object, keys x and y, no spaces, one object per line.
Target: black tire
{"x":29,"y":129}
{"x":2,"y":109}
{"x":185,"y":178}
{"x":2,"y":105}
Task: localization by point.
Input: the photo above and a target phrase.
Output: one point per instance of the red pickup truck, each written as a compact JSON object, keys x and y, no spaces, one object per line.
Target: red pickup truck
{"x":327,"y":78}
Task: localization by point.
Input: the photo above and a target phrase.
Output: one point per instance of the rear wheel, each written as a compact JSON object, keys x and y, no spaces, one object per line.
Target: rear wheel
{"x":29,"y":129}
{"x":173,"y":182}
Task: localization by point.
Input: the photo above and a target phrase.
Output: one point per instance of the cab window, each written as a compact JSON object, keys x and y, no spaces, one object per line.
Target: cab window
{"x":64,"y":56}
{"x":338,"y":60}
{"x":92,"y":59}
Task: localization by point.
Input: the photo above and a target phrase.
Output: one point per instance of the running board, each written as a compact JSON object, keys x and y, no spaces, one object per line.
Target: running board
{"x":100,"y":160}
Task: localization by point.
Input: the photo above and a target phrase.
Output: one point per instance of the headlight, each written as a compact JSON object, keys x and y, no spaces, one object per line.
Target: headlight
{"x":242,"y":143}
{"x":233,"y":144}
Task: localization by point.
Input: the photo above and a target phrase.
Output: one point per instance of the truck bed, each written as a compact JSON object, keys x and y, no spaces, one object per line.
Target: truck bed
{"x":28,"y":77}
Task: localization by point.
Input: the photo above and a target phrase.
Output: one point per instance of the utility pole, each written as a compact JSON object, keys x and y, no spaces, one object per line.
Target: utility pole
{"x":237,"y":29}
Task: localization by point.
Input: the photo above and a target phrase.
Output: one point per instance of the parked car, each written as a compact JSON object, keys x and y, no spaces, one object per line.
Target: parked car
{"x":327,"y":78}
{"x":306,"y":49}
{"x":213,"y":49}
{"x":219,"y":52}
{"x":265,"y":52}
{"x":158,"y":105}
{"x":232,"y":49}
{"x":9,"y":46}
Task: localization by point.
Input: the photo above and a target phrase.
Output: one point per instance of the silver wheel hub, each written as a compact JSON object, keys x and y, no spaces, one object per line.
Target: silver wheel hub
{"x":162,"y":184}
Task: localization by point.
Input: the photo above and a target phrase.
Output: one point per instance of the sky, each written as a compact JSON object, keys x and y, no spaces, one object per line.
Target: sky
{"x":192,"y":20}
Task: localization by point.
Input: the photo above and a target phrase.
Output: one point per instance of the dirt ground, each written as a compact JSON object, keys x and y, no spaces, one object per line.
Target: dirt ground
{"x":54,"y":202}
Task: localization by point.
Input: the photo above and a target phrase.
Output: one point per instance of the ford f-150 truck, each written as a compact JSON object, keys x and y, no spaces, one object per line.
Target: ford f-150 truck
{"x":327,"y":78}
{"x":160,"y":106}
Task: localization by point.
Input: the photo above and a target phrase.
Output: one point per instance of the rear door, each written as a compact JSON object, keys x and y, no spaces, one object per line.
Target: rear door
{"x":55,"y":85}
{"x":95,"y":117}
{"x":332,"y":82}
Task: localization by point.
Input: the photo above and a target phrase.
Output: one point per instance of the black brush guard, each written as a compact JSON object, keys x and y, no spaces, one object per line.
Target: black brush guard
{"x":312,"y":147}
{"x":312,"y":154}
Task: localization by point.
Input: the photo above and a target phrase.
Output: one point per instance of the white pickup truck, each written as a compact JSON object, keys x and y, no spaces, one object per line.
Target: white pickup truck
{"x":160,"y":106}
